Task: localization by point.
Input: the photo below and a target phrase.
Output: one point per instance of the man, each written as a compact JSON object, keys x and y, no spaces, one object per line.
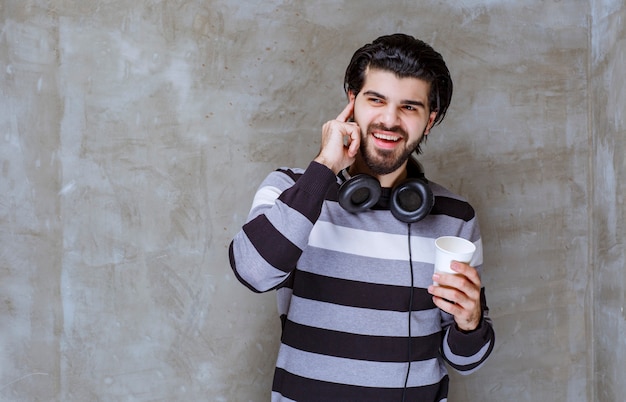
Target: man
{"x":361,"y":319}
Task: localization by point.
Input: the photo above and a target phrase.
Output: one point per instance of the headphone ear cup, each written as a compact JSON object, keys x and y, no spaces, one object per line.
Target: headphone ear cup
{"x":360,"y":193}
{"x":412,"y":201}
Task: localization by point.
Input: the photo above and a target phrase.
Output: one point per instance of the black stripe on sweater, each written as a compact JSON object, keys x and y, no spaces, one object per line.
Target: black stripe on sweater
{"x":468,"y":367}
{"x":307,"y":194}
{"x":360,"y":347}
{"x":359,"y":294}
{"x":453,"y":207}
{"x":308,"y":390}
{"x":275,"y":248}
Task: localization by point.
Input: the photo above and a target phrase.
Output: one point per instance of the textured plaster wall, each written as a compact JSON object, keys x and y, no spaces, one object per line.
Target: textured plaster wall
{"x":609,"y":213}
{"x":134,"y":133}
{"x":517,"y":145}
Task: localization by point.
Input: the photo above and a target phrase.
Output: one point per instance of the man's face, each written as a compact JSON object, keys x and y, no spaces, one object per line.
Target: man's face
{"x":394,"y":116}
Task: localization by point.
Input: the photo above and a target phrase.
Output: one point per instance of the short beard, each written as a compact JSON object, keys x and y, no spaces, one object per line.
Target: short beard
{"x":382,"y":162}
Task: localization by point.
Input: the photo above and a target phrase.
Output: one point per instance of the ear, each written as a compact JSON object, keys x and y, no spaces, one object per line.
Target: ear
{"x":351,"y":95}
{"x":431,"y":122}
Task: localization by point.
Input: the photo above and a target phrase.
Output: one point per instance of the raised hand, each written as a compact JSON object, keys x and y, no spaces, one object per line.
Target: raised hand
{"x":340,"y":141}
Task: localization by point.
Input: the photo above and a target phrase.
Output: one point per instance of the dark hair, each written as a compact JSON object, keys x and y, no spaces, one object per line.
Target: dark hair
{"x":405,"y":56}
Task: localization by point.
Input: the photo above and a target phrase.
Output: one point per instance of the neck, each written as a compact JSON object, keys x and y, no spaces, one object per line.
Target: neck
{"x":386,"y":180}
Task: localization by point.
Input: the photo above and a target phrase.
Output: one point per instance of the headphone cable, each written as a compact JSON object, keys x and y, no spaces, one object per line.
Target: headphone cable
{"x":408,"y":370}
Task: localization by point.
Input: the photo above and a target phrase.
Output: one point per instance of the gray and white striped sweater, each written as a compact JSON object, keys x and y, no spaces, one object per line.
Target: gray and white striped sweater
{"x":344,"y":284}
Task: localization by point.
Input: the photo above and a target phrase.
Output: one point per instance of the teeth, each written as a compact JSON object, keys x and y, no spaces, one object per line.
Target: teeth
{"x":386,"y":137}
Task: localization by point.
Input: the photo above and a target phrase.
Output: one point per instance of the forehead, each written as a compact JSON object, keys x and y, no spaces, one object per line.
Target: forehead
{"x":396,"y":88}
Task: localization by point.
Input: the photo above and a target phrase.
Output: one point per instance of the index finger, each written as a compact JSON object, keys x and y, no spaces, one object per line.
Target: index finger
{"x":347,"y":112}
{"x":468,"y":271}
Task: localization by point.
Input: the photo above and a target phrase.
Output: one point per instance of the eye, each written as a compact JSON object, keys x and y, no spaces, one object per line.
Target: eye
{"x":375,"y":100}
{"x":410,"y":108}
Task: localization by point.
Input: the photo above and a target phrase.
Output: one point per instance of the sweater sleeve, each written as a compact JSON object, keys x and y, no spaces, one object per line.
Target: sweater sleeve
{"x":464,"y":351}
{"x":285,"y":208}
{"x":467,"y":351}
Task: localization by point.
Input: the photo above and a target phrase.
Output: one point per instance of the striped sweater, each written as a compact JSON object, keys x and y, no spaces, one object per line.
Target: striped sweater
{"x":344,"y":283}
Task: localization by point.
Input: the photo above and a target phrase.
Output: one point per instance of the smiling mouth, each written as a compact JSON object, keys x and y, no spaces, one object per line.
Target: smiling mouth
{"x":386,"y":137}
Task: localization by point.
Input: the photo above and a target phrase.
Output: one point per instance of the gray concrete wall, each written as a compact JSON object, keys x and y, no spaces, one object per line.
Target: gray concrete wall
{"x":608,"y":105}
{"x":133,"y":136}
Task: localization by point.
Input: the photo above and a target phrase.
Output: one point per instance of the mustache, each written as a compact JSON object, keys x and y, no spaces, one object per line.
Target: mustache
{"x":382,"y":127}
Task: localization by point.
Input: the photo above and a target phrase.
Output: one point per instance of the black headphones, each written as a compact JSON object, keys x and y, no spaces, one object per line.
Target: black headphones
{"x":411,"y":200}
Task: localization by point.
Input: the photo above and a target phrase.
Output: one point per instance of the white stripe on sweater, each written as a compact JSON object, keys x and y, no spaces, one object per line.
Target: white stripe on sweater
{"x":371,"y":244}
{"x":362,"y":321}
{"x":356,"y":372}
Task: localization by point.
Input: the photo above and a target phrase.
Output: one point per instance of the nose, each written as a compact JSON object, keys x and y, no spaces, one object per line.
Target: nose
{"x":389,"y":116}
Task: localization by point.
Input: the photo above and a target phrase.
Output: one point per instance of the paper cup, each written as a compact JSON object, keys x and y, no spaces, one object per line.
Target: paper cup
{"x":452,"y":248}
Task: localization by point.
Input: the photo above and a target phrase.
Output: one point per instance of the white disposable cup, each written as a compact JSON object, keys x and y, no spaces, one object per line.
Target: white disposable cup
{"x":452,"y":248}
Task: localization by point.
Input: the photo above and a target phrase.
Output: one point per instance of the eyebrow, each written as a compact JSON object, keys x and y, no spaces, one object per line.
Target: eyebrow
{"x":404,"y":102}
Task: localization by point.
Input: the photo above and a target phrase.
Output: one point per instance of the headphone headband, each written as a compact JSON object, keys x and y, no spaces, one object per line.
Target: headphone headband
{"x":411,"y":201}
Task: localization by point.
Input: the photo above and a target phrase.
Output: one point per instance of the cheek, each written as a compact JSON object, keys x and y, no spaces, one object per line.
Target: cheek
{"x":417,"y":131}
{"x":364,"y":116}
{"x":359,"y":118}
